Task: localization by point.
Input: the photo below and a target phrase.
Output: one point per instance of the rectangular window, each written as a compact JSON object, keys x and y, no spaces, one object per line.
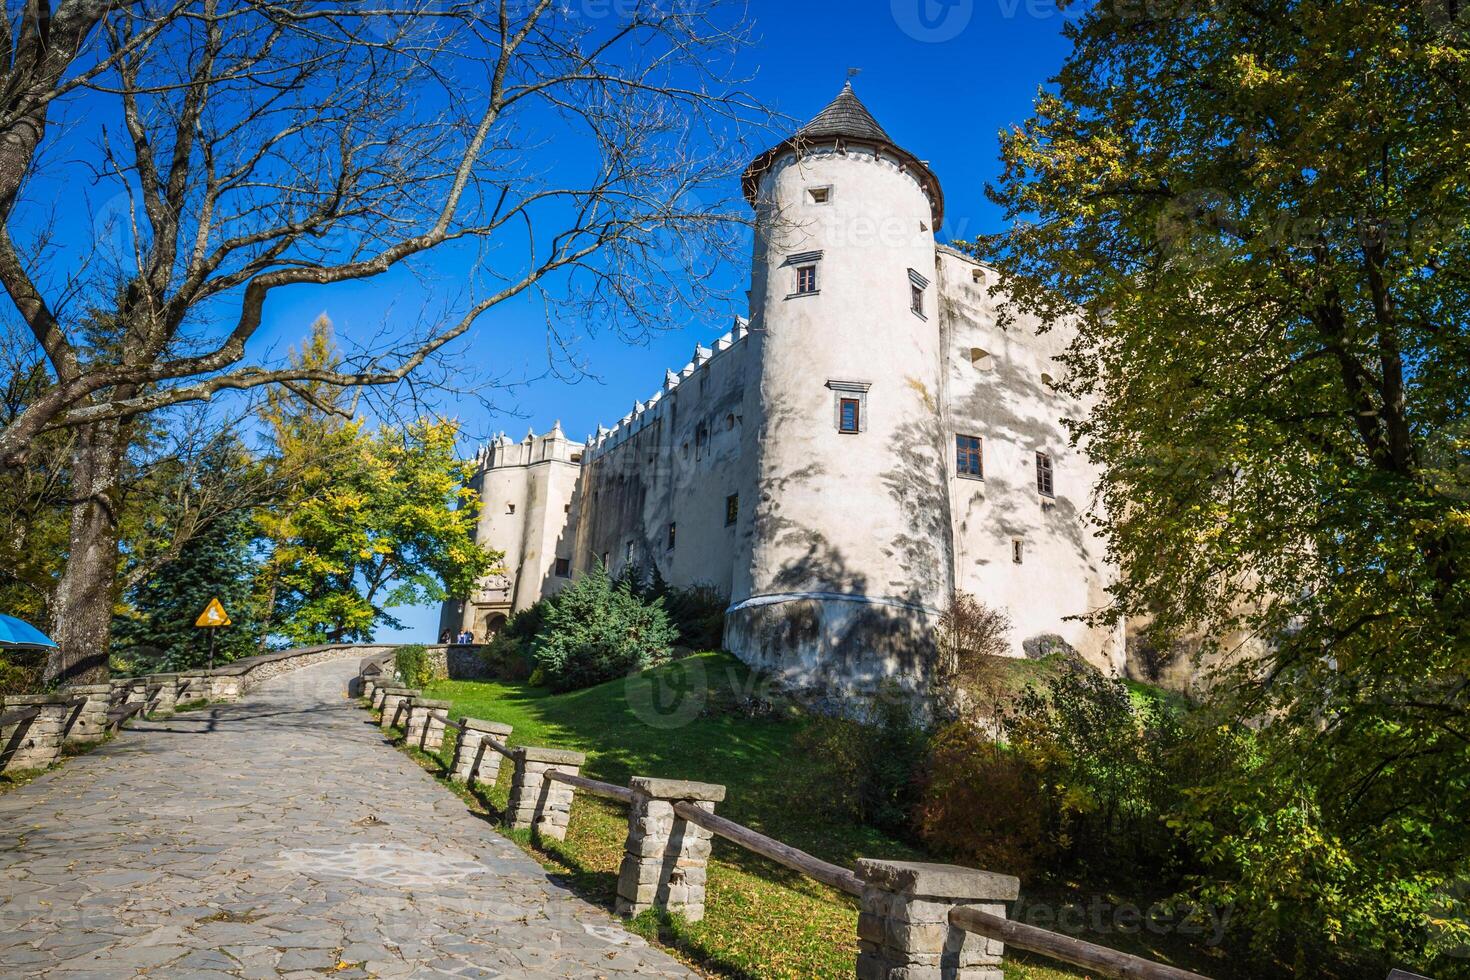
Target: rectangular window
{"x":849,"y":416}
{"x":806,"y":279}
{"x":605,"y":557}
{"x":820,"y":195}
{"x":1017,"y":554}
{"x":1044,"y":484}
{"x":732,"y":508}
{"x":969,"y":456}
{"x":701,"y":440}
{"x":563,"y":568}
{"x":916,"y":299}
{"x":672,"y":528}
{"x":510,"y":508}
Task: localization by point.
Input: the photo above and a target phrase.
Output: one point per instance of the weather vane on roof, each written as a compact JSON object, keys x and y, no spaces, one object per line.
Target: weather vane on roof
{"x":853,"y":73}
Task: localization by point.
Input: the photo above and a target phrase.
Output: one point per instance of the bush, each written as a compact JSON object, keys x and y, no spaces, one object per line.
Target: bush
{"x":697,"y":611}
{"x":412,"y":665}
{"x":980,"y":803}
{"x":21,"y":671}
{"x":507,"y":658}
{"x":596,"y":631}
{"x":1103,"y":768}
{"x":865,"y":772}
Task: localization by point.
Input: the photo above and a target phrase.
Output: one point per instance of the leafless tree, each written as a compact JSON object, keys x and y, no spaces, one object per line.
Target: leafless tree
{"x":971,"y":638}
{"x":256,"y":145}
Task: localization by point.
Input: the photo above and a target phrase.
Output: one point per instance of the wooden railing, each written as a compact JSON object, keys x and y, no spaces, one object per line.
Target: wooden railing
{"x":1068,"y":949}
{"x":754,"y":841}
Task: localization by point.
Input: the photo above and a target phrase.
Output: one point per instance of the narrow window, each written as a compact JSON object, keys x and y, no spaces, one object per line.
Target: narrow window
{"x":701,"y":440}
{"x":969,"y":460}
{"x":916,"y":299}
{"x":1016,"y":553}
{"x":729,"y":422}
{"x":849,"y":416}
{"x":567,"y":509}
{"x":1044,"y":483}
{"x":806,"y":279}
{"x":628,"y":553}
{"x":732,"y":508}
{"x":672,"y":528}
{"x":576,"y":457}
{"x":563,"y":568}
{"x":510,"y":508}
{"x":606,"y":556}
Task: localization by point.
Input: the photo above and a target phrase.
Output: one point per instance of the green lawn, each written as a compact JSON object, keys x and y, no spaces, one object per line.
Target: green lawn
{"x":761,"y":920}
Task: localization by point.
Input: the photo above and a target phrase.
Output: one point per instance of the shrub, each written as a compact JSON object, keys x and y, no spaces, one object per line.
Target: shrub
{"x":697,"y":611}
{"x":412,"y":664}
{"x":980,"y":803}
{"x":595,"y":631}
{"x":970,"y":639}
{"x":21,"y":672}
{"x":508,"y":655}
{"x":865,"y":772}
{"x":1102,"y":765}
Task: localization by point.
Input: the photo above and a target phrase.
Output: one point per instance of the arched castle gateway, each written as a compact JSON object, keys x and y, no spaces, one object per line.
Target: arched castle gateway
{"x":868,"y":441}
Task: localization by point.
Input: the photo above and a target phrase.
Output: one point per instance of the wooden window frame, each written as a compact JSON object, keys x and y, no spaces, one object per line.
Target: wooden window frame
{"x":1046,"y":484}
{"x":732,"y":509}
{"x":857,"y":416}
{"x":806,"y":280}
{"x":968,"y":453}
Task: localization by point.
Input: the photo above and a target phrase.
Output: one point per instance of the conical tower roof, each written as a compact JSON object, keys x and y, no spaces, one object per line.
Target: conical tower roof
{"x":847,"y":117}
{"x":846,"y":121}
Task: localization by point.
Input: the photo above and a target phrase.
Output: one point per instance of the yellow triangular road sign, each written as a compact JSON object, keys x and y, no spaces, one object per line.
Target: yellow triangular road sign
{"x":214,"y":615}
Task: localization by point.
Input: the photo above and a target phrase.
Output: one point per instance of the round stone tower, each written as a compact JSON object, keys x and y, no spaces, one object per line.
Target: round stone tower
{"x":849,"y":546}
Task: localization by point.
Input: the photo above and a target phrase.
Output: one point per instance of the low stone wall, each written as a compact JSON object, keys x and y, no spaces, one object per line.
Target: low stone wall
{"x":457,"y":662}
{"x":254,"y":671}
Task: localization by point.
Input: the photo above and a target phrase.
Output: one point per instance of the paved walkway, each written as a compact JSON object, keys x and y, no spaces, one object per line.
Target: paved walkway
{"x":280,"y":837}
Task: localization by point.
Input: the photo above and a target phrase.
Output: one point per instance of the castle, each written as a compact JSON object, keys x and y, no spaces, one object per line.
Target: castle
{"x":867,"y":442}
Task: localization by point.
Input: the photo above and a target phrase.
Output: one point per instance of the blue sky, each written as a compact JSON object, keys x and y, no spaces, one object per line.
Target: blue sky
{"x":942,"y":76}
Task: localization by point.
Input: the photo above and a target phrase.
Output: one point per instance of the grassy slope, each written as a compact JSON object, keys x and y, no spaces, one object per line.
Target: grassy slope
{"x":643,"y":726}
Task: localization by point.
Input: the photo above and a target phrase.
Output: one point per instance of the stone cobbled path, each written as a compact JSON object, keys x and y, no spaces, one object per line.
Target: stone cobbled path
{"x":280,"y":837}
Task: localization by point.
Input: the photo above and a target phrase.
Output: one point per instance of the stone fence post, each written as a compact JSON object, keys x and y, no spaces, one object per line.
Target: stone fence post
{"x":425,"y":726}
{"x":539,"y":803}
{"x":167,"y":696}
{"x":475,"y":762}
{"x":380,"y":691}
{"x":395,"y":706}
{"x":90,"y":723}
{"x":193,"y":687}
{"x":904,"y":930}
{"x":36,"y":742}
{"x":666,"y":857}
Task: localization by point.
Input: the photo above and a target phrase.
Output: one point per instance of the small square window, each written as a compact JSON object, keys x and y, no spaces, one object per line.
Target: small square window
{"x":672,"y":529}
{"x":510,"y":508}
{"x":1044,"y":482}
{"x":849,"y":416}
{"x":567,"y":509}
{"x":806,"y":279}
{"x":563,"y":568}
{"x":969,"y":457}
{"x":820,"y":195}
{"x":732,"y":509}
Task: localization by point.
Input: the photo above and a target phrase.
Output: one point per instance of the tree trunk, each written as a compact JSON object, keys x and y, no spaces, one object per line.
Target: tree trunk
{"x":88,"y":587}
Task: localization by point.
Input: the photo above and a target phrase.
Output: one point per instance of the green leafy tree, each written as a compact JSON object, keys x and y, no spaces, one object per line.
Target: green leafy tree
{"x":596,"y":630}
{"x":158,"y":633}
{"x":390,"y":523}
{"x":1258,"y":215}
